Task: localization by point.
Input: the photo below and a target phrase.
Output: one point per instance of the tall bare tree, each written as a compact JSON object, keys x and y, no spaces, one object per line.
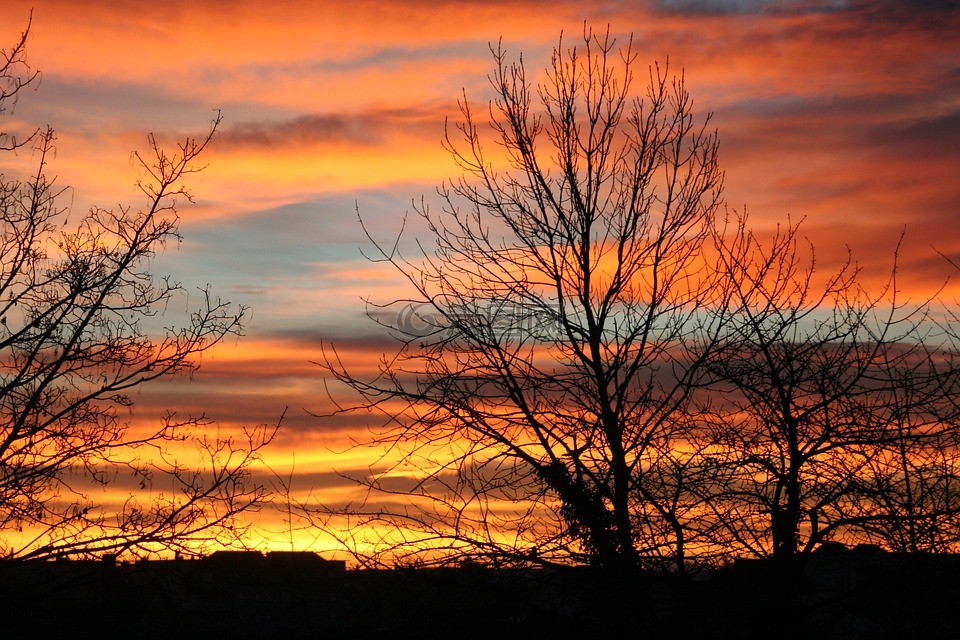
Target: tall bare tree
{"x":545,"y":354}
{"x":80,"y":329}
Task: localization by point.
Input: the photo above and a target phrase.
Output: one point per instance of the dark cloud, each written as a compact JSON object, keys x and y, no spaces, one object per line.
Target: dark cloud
{"x":932,"y":136}
{"x":306,"y":131}
{"x":902,"y":123}
{"x":928,"y":14}
{"x":369,"y":128}
{"x":740,"y":7}
{"x":365,"y":335}
{"x":223,"y":399}
{"x":313,"y":481}
{"x":879,"y":11}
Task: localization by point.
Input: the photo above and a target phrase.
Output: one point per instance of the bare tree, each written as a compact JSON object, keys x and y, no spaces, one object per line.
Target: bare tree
{"x":545,"y":356}
{"x":838,"y":411}
{"x":909,"y":498}
{"x":79,"y":314}
{"x":909,"y":501}
{"x":15,"y":74}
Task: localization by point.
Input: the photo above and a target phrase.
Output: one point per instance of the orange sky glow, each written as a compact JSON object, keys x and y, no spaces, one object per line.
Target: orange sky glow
{"x":843,"y":113}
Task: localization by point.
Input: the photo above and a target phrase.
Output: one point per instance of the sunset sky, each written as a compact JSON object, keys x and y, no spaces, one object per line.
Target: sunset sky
{"x":844,"y":113}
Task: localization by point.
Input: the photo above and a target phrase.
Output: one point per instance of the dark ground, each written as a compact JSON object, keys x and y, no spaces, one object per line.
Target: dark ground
{"x":852,"y":594}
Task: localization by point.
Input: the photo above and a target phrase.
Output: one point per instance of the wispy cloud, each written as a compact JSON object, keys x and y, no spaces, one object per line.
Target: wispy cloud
{"x":317,"y":131}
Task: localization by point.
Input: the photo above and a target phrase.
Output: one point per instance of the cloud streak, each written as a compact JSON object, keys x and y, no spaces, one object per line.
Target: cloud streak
{"x":317,"y":131}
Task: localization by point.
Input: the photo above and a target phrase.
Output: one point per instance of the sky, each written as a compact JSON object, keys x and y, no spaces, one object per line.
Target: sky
{"x":845,"y":114}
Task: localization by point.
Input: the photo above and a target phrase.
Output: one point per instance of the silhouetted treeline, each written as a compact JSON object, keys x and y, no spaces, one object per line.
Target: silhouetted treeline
{"x":859,"y":593}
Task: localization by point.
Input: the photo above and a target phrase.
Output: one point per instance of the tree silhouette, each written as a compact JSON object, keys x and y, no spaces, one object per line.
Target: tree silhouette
{"x":548,"y":355}
{"x":77,"y":301}
{"x":833,"y":402}
{"x":596,"y":367}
